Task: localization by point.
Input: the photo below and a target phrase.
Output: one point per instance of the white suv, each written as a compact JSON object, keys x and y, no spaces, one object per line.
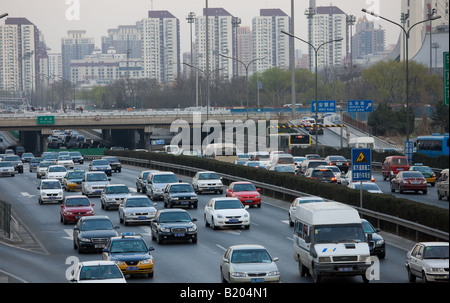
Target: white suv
{"x":50,"y":190}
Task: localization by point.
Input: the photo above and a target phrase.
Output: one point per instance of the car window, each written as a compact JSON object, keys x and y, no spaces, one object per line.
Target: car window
{"x":399,"y":162}
{"x":96,"y":177}
{"x":436,"y":252}
{"x":165,"y":179}
{"x":208,"y":176}
{"x":228,"y":204}
{"x":174,"y":217}
{"x":57,"y":169}
{"x":100,"y":162}
{"x":75,"y":175}
{"x":96,"y":225}
{"x":138,"y":202}
{"x":117,"y":190}
{"x":412,"y":174}
{"x":250,"y":256}
{"x":244,"y":187}
{"x":6,"y":164}
{"x":78,"y":202}
{"x":100,"y":272}
{"x":51,"y":185}
{"x":128,"y":246}
{"x":182,"y":188}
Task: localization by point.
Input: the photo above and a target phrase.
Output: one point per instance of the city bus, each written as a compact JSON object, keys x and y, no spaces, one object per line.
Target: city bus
{"x":433,"y":146}
{"x":288,"y":141}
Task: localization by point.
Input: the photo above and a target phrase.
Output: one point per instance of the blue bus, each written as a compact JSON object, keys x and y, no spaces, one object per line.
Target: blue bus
{"x":433,"y":146}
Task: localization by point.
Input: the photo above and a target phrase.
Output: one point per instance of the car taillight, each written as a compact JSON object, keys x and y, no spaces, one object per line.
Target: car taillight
{"x":333,"y":179}
{"x":331,"y":163}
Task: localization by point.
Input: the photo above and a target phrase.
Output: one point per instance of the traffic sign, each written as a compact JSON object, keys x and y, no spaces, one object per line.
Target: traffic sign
{"x":360,"y":106}
{"x":158,"y":142}
{"x":45,"y":120}
{"x":409,"y":151}
{"x":361,"y":164}
{"x":324,"y":106}
{"x":446,"y":69}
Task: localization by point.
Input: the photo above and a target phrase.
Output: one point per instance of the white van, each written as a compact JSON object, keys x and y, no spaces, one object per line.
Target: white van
{"x":226,"y":152}
{"x":442,"y":185}
{"x":283,"y":159}
{"x":329,"y":240}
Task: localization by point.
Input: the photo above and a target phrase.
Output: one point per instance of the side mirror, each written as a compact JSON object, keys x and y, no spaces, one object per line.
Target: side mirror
{"x":276,"y":259}
{"x":116,"y":227}
{"x":308,"y":239}
{"x":151,"y":249}
{"x":225,"y":260}
{"x":369,"y":237}
{"x":105,"y":250}
{"x":194,"y":219}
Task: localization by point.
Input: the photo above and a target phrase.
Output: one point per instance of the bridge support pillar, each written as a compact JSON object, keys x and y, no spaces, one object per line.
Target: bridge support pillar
{"x":148,"y":131}
{"x":42,"y":141}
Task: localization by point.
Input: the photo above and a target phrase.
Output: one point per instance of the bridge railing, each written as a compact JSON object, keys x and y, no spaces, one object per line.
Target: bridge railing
{"x":288,"y":195}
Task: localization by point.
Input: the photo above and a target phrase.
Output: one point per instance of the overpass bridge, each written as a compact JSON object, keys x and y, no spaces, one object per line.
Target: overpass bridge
{"x":121,"y":128}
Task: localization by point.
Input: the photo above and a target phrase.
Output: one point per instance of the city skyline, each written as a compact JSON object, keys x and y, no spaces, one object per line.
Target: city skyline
{"x":55,"y":17}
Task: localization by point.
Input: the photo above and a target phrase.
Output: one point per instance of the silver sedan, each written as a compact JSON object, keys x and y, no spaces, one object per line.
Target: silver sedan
{"x":136,"y":209}
{"x":248,"y":264}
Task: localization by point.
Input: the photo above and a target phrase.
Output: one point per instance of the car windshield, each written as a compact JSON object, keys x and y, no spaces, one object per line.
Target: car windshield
{"x":368,"y":228}
{"x":208,"y":176}
{"x":165,"y":179}
{"x":367,"y":186}
{"x":399,"y":162}
{"x":6,"y":164}
{"x":244,"y":187}
{"x":336,"y":158}
{"x":128,"y":246}
{"x":78,"y":202}
{"x":174,"y":217}
{"x":138,"y":202}
{"x":56,"y":169}
{"x":338,"y":233}
{"x":313,"y":164}
{"x":98,"y":224}
{"x":228,"y":204}
{"x":117,"y":190}
{"x":45,"y":164}
{"x":51,"y":185}
{"x":100,"y":272}
{"x":436,"y":252}
{"x":182,"y":188}
{"x":75,"y":175}
{"x":75,"y":154}
{"x":250,"y":256}
{"x":96,"y":177}
{"x":12,"y":158}
{"x":111,"y":159}
{"x":64,"y":158}
{"x":284,"y":168}
{"x":322,"y":174}
{"x":35,"y":160}
{"x":100,"y":162}
{"x":285,"y":160}
{"x":302,"y":201}
{"x":423,"y":169}
{"x":412,"y":174}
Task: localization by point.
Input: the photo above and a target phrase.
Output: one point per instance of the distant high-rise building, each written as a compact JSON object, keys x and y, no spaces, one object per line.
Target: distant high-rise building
{"x":330,"y":24}
{"x":20,"y":51}
{"x":54,"y":67}
{"x":368,"y":39}
{"x":220,"y":42}
{"x":160,"y":46}
{"x":124,"y":39}
{"x":74,"y":47}
{"x":268,"y":41}
{"x":244,"y":47}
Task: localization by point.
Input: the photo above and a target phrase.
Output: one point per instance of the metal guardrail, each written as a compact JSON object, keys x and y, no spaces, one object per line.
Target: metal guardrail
{"x":285,"y":193}
{"x":5,"y":218}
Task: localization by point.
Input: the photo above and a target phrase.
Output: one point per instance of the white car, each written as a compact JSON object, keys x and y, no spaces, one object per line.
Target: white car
{"x":56,"y":172}
{"x":221,"y":212}
{"x":50,"y":190}
{"x":366,"y":186}
{"x":137,"y":209}
{"x":207,"y":181}
{"x":65,"y":161}
{"x":428,"y":261}
{"x":248,"y":264}
{"x":7,"y":169}
{"x":301,"y":200}
{"x":97,"y":272}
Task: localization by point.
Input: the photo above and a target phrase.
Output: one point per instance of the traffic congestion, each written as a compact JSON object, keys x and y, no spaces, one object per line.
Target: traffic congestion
{"x":171,"y":209}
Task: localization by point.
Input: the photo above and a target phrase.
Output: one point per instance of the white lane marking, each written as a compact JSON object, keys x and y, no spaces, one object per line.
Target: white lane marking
{"x":69,"y":233}
{"x":285,"y":221}
{"x":221,"y":247}
{"x":26,"y":194}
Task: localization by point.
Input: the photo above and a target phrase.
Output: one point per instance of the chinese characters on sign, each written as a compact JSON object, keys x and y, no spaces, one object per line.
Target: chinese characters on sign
{"x":361,"y":164}
{"x":46,"y":120}
{"x":360,"y":106}
{"x":324,"y":106}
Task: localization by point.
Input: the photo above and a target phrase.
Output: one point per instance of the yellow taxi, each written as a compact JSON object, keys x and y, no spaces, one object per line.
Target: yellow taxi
{"x":426,"y":171}
{"x":72,"y":180}
{"x":130,"y":253}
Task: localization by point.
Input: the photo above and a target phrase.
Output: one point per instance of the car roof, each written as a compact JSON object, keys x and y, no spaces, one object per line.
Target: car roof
{"x":50,"y":180}
{"x":434,"y":243}
{"x":174,"y":210}
{"x":242,"y":182}
{"x":246,"y":246}
{"x":96,"y":217}
{"x":225,"y":198}
{"x":97,"y":262}
{"x":76,"y":196}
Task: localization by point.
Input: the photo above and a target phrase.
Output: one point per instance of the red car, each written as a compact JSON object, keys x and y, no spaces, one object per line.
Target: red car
{"x":75,"y":207}
{"x":246,"y":192}
{"x":409,"y":180}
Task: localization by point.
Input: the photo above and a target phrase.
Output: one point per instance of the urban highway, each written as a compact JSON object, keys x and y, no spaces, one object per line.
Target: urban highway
{"x":174,"y":262}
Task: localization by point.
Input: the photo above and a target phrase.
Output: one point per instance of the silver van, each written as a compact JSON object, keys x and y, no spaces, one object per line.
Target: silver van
{"x":157,"y":182}
{"x":442,"y":185}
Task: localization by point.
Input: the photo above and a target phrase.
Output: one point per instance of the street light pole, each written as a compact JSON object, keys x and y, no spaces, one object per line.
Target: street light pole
{"x":406,"y":32}
{"x":316,"y":51}
{"x":246,"y":66}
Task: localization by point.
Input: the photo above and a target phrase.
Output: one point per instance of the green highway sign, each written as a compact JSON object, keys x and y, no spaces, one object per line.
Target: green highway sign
{"x":446,"y":78}
{"x":46,"y":120}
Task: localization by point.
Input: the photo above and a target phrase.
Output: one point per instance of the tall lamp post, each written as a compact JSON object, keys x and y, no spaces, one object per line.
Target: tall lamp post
{"x":191,"y":19}
{"x":406,"y":32}
{"x":207,"y":75}
{"x":316,"y":51}
{"x":246,"y":66}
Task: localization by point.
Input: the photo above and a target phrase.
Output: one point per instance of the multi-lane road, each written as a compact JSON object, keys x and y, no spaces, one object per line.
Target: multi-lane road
{"x":174,"y":262}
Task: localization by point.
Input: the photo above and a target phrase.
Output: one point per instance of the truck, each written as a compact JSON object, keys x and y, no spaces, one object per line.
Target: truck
{"x":329,"y":240}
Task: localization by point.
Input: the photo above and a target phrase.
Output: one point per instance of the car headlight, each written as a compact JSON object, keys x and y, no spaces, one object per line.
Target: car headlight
{"x":273,"y":273}
{"x":194,"y":228}
{"x":257,"y":197}
{"x":147,"y":261}
{"x":436,"y":270}
{"x":238,"y":197}
{"x":219,"y":216}
{"x":165,"y":229}
{"x":68,"y":212}
{"x":90,"y":212}
{"x":238,"y":274}
{"x":85,"y":239}
{"x":246,"y":215}
{"x":118,"y":262}
{"x":325,"y":259}
{"x":379,"y":242}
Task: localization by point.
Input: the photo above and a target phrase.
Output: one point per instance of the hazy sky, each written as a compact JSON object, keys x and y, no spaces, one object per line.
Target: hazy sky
{"x":55,"y":17}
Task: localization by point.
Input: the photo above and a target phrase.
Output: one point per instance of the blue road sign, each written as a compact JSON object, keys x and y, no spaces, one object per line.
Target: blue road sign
{"x":360,"y":106}
{"x":361,"y":164}
{"x":324,"y":106}
{"x":158,"y":142}
{"x":409,"y":151}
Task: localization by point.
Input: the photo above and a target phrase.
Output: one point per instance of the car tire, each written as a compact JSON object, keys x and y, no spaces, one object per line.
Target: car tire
{"x":222,"y":278}
{"x":206,"y":221}
{"x":411,"y":277}
{"x":315,"y":276}
{"x":302,"y":270}
{"x":424,"y":192}
{"x":424,"y":277}
{"x":150,"y":275}
{"x":392,"y":189}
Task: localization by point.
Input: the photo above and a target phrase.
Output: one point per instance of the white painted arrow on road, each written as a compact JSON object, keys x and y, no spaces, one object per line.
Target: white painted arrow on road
{"x":69,"y":233}
{"x":25,"y":194}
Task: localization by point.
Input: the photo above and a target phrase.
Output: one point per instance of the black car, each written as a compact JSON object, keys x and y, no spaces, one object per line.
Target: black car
{"x":173,"y":224}
{"x":76,"y":157}
{"x":377,"y":246}
{"x":321,"y":174}
{"x":34,"y":162}
{"x":92,"y":233}
{"x":116,"y":166}
{"x":339,"y":161}
{"x":180,"y":194}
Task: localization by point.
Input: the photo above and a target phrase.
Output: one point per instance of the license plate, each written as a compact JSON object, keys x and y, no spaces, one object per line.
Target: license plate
{"x":415,"y":182}
{"x":212,"y":187}
{"x":99,"y":191}
{"x":99,"y":245}
{"x":233,"y":221}
{"x":399,"y":168}
{"x":179,"y":235}
{"x":248,"y":201}
{"x":345,"y":269}
{"x":257,"y":280}
{"x":185,"y":202}
{"x":133,"y":268}
{"x":77,"y":217}
{"x":52,"y":197}
{"x":142,"y":217}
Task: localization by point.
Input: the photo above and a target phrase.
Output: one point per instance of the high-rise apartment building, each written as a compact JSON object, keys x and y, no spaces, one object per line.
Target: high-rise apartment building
{"x":220,"y":42}
{"x":368,"y":39}
{"x":54,"y":67}
{"x":124,"y":39}
{"x":330,"y":24}
{"x":19,"y":53}
{"x":160,"y":46}
{"x":268,"y":40}
{"x":74,"y":47}
{"x":244,"y":48}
